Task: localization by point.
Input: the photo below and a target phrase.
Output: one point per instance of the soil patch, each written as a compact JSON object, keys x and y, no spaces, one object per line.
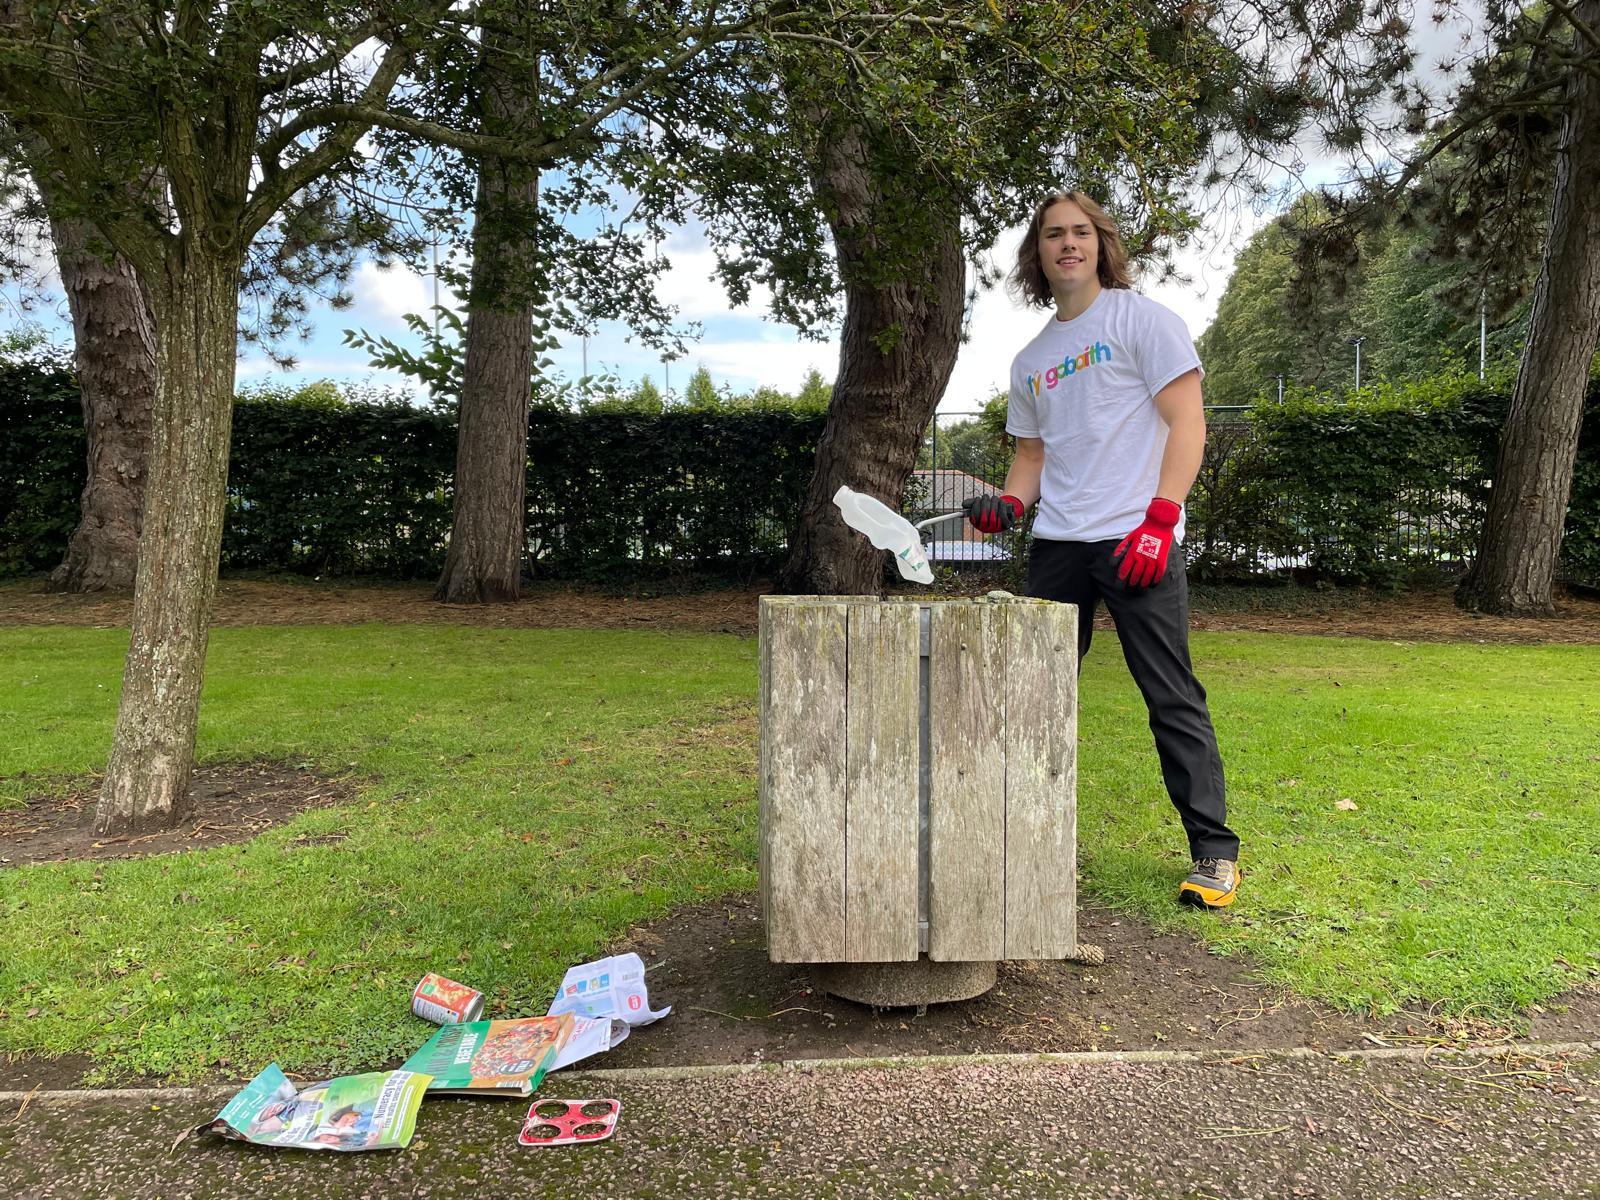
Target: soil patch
{"x":230,"y":802}
{"x":1421,"y":615}
{"x":1154,"y":991}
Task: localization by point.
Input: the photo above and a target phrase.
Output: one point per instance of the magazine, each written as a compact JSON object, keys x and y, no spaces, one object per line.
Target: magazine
{"x":377,"y":1111}
{"x":491,"y":1058}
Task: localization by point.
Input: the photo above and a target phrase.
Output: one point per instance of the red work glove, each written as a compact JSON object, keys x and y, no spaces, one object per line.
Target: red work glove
{"x":1147,"y":546}
{"x":993,"y":514}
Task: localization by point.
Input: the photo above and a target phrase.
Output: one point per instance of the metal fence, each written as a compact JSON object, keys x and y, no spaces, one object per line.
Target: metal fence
{"x":956,"y":462}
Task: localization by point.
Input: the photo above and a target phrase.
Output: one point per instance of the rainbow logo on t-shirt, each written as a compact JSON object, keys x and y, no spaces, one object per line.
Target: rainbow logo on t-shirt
{"x":1048,"y":378}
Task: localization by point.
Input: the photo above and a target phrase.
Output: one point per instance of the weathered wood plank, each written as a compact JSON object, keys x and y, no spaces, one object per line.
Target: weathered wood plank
{"x":1041,"y":736}
{"x":802,"y":784}
{"x":966,"y":802}
{"x":881,"y":774}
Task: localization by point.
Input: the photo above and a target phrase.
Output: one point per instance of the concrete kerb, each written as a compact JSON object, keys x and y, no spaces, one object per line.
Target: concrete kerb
{"x":1088,"y":1058}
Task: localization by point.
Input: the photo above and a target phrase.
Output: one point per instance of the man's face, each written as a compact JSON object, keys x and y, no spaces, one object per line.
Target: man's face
{"x":1069,"y":249}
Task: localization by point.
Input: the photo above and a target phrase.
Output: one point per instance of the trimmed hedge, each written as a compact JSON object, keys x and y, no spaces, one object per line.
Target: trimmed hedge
{"x":343,"y":489}
{"x":322,"y":486}
{"x":43,"y":465}
{"x":1371,"y":489}
{"x":318,"y":486}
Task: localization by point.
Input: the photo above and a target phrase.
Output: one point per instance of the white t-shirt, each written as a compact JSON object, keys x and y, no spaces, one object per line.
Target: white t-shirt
{"x":1087,"y":388}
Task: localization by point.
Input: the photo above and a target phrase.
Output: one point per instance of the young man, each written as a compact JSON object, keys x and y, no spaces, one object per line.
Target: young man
{"x":1106,"y":409}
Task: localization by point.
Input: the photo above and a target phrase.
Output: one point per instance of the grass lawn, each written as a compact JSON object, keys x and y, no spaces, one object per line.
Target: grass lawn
{"x":537,"y":791}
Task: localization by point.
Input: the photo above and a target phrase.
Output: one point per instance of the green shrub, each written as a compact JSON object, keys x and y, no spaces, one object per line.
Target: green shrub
{"x":42,"y":464}
{"x":348,"y":484}
{"x":1372,"y":487}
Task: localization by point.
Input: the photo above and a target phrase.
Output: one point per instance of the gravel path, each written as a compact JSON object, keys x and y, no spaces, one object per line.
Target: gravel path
{"x":1506,"y":1126}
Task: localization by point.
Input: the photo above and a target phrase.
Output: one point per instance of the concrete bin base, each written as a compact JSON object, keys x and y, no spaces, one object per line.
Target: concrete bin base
{"x":904,"y":984}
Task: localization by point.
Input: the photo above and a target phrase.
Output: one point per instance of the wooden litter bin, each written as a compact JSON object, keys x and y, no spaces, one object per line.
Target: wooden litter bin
{"x":918,"y":790}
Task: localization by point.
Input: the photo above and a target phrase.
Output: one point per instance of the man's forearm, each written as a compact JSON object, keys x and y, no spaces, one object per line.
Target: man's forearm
{"x":1022,"y":480}
{"x":1180,"y":464}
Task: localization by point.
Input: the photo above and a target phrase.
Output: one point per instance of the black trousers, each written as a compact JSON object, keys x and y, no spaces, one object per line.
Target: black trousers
{"x":1153,"y":626}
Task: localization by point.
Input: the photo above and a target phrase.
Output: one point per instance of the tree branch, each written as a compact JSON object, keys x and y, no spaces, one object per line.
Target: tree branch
{"x":1579,"y":25}
{"x":1509,"y":103}
{"x":278,"y":81}
{"x":280,"y":183}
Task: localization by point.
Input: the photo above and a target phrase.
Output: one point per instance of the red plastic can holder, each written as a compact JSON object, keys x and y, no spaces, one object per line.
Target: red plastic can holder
{"x":569,"y":1122}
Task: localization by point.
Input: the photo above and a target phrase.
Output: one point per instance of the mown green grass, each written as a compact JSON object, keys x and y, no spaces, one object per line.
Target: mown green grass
{"x":533,"y":792}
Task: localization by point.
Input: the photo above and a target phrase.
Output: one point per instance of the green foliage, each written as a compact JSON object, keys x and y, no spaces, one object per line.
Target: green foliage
{"x":644,"y":397}
{"x":1248,"y":343}
{"x":42,"y":459}
{"x":359,"y":483}
{"x":1371,"y":487}
{"x":338,"y":489}
{"x":947,"y":140}
{"x":437,"y":366}
{"x":701,"y":395}
{"x":1397,"y":294}
{"x":629,"y":494}
{"x":704,"y":395}
{"x":647,"y":398}
{"x":816,"y":393}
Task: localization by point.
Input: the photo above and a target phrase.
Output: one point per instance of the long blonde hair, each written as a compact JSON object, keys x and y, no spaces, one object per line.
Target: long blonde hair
{"x":1027,"y":281}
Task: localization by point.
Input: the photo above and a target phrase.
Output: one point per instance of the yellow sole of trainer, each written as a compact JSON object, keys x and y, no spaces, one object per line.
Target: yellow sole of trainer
{"x":1203,"y":897}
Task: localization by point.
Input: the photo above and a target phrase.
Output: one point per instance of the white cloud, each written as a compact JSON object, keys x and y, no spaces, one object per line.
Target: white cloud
{"x":756,"y":363}
{"x":690,"y":285}
{"x":391,"y":294}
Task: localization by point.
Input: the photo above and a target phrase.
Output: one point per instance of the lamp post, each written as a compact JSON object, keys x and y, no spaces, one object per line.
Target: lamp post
{"x":1483,"y":330}
{"x":435,"y":247}
{"x":1280,"y":388}
{"x":1356,"y":342}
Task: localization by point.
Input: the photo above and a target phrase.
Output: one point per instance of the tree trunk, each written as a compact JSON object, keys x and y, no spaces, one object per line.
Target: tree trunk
{"x":899,"y":345}
{"x":197,"y":311}
{"x":115,"y":349}
{"x":1520,"y":546}
{"x":484,"y":562}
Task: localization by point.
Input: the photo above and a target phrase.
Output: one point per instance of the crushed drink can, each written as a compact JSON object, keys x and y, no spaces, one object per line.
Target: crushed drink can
{"x":444,"y":1001}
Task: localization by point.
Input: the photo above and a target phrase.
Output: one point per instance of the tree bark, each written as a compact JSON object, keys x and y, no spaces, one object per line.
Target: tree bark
{"x":196,"y":310}
{"x":115,"y":350}
{"x":898,"y":347}
{"x":1520,"y":546}
{"x":484,"y":561}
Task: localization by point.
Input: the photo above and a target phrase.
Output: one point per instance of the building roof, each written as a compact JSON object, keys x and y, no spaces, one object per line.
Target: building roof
{"x":946,"y":489}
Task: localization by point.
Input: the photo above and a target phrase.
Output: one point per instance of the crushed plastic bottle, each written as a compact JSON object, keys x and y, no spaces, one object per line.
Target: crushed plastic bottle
{"x":887,"y":530}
